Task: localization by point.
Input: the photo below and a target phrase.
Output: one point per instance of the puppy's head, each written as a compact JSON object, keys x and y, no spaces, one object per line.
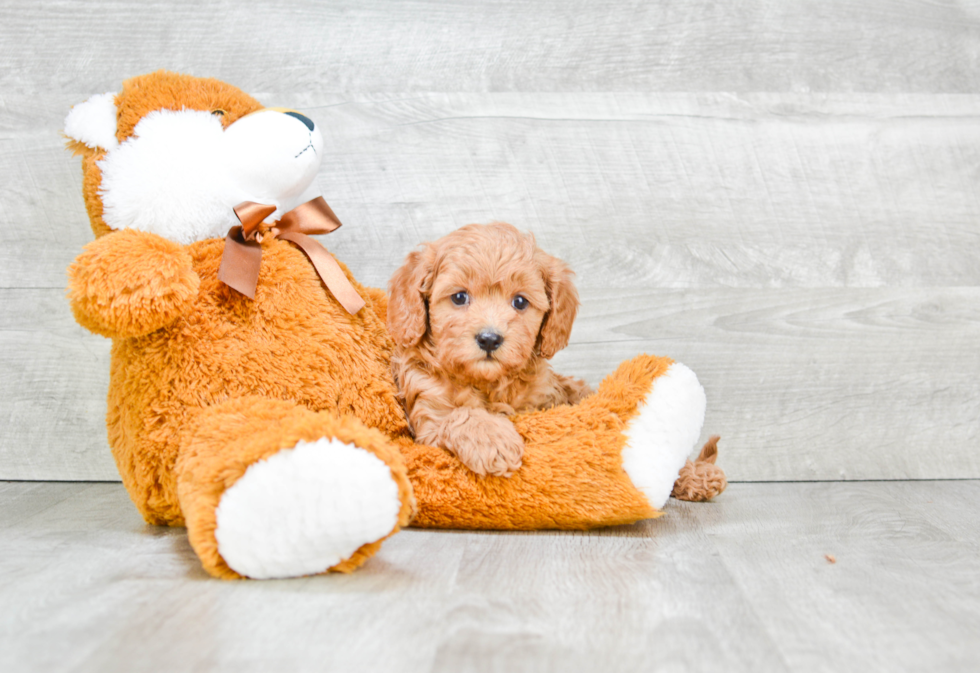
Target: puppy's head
{"x":486,"y":300}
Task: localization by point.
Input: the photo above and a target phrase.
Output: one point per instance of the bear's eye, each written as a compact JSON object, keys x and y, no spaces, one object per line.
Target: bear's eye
{"x":218,"y":113}
{"x":460,"y":298}
{"x":519,"y":302}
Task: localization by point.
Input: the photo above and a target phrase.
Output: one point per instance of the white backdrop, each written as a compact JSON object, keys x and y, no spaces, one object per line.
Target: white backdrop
{"x":781,"y":195}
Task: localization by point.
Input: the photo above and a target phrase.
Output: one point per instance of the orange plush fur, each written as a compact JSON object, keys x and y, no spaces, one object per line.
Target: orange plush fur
{"x":475,"y":316}
{"x":206,"y":383}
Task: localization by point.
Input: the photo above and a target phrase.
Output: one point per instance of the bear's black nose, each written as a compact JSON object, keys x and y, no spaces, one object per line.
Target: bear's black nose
{"x":489,"y":341}
{"x":306,"y":120}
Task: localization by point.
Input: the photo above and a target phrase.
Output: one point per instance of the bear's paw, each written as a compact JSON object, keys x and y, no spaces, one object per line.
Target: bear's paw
{"x":662,"y":435}
{"x":306,"y":510}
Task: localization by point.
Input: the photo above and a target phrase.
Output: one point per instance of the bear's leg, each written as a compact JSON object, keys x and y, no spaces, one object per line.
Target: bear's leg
{"x":270,"y":489}
{"x":611,"y":459}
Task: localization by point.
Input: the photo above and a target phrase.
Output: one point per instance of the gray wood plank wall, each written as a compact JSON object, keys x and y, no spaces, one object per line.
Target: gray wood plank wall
{"x":781,"y":195}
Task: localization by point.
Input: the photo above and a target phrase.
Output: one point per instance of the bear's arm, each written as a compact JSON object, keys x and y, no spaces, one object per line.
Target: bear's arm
{"x":129,"y":283}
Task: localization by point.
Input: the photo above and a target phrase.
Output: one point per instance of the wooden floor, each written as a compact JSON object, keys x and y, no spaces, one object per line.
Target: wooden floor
{"x":741,"y":584}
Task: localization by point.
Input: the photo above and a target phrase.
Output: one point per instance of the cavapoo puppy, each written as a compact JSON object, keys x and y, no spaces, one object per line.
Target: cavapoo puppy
{"x":475,"y":316}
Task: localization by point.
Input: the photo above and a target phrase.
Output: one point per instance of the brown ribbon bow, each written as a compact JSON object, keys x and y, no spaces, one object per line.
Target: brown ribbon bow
{"x":242,"y":258}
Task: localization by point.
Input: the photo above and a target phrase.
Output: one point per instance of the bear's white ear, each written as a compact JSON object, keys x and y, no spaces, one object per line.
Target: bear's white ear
{"x":94,"y":122}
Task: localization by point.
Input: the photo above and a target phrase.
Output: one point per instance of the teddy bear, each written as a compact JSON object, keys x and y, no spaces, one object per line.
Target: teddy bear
{"x":251,"y":397}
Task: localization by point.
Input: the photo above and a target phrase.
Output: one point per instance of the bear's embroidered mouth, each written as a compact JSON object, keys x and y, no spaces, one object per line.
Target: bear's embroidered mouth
{"x":308,"y":147}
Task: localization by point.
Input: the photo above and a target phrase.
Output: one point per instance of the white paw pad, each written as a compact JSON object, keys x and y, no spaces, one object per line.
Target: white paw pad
{"x":305,"y":509}
{"x":661,"y":438}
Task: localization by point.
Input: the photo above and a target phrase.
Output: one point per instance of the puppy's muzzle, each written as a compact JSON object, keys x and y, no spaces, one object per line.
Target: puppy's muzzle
{"x":489,"y":340}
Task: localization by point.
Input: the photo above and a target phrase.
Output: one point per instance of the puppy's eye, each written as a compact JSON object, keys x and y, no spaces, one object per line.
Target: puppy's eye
{"x":519,"y":302}
{"x":218,"y":113}
{"x":460,"y":299}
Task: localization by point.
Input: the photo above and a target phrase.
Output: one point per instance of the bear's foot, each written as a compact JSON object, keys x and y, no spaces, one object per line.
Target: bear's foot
{"x":305,"y":510}
{"x":660,"y":437}
{"x":270,"y":489}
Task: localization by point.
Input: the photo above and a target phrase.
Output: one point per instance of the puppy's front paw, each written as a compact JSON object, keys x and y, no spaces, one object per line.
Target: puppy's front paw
{"x":485,"y":443}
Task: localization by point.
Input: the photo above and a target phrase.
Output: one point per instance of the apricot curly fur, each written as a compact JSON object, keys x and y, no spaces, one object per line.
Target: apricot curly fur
{"x":458,"y":395}
{"x":700,"y":480}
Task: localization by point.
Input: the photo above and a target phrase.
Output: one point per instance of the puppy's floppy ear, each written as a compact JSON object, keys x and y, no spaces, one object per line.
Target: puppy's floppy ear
{"x":557,"y":325}
{"x":408,"y":289}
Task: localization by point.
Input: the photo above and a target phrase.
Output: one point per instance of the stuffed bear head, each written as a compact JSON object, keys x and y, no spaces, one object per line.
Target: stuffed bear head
{"x":172,"y":155}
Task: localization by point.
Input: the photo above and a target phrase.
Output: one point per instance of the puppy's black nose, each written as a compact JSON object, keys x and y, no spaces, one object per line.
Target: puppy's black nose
{"x":306,"y":120}
{"x":489,"y":340}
